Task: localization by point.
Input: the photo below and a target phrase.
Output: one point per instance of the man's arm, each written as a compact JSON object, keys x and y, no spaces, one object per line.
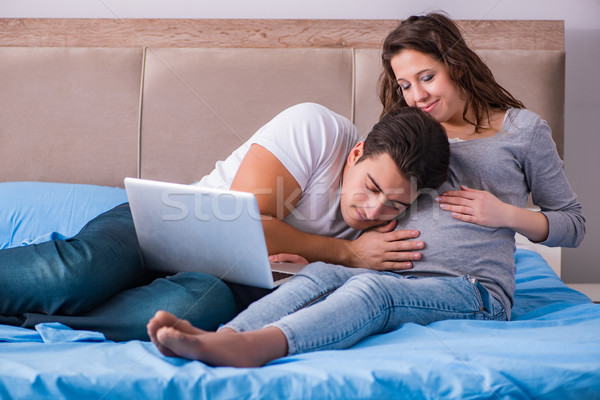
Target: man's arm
{"x":277,"y":193}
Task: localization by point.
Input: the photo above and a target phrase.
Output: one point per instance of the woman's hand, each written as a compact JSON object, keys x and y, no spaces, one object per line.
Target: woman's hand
{"x":382,"y":248}
{"x":475,"y":206}
{"x":483,"y":208}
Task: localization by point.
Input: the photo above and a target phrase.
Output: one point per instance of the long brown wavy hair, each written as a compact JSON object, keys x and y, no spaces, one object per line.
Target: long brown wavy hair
{"x":439,"y":37}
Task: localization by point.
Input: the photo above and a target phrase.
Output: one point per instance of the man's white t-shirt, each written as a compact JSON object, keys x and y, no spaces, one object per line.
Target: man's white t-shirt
{"x":313,"y":143}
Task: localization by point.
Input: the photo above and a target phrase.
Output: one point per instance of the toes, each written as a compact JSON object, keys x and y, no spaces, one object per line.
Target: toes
{"x":165,"y":318}
{"x":172,"y":336}
{"x":186,"y":327}
{"x":179,"y":343}
{"x":165,"y":351}
{"x":159,"y":320}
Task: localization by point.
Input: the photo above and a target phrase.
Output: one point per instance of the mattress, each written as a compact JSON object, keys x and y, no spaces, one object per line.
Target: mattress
{"x":550,"y":349}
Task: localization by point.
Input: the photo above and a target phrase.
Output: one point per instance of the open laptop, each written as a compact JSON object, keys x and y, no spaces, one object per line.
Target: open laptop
{"x":190,"y":228}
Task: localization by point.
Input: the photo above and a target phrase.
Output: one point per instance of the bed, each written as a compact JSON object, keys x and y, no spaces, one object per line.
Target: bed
{"x":85,"y":103}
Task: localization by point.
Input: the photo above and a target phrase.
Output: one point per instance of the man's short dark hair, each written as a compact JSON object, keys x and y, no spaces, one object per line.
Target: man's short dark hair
{"x":416,"y":142}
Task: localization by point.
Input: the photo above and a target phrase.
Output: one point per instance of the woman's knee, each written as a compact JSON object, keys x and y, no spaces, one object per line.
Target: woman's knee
{"x":370,"y":287}
{"x":312,"y":270}
{"x":322,"y":271}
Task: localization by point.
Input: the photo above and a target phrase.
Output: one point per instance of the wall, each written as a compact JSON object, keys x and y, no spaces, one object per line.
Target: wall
{"x":582,"y":27}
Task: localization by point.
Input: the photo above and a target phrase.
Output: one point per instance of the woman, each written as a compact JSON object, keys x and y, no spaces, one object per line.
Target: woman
{"x":499,"y":153}
{"x":317,"y":185}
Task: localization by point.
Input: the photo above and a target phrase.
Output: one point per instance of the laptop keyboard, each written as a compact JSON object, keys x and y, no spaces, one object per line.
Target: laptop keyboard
{"x":278,"y":275}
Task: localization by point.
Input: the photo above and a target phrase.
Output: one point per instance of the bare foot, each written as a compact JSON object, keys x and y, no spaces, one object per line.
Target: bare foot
{"x":165,"y":319}
{"x":224,"y":348}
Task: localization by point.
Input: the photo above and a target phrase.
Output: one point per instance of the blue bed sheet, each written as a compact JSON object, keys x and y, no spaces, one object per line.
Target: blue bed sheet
{"x":550,"y":350}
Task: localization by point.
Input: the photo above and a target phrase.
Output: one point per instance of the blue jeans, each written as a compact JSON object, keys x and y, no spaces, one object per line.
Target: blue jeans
{"x":333,"y":307}
{"x":97,"y":281}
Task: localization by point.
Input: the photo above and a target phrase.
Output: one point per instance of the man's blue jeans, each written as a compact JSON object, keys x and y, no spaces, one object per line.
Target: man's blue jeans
{"x":333,"y":307}
{"x":97,"y":281}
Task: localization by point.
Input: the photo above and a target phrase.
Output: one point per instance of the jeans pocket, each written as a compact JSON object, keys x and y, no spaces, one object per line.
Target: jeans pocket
{"x":489,"y":307}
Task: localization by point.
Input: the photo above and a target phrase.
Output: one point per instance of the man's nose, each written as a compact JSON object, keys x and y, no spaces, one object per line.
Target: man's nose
{"x":374,"y":208}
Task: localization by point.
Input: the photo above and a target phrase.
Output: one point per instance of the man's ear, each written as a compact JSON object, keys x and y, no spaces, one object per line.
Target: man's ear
{"x":356,"y":153}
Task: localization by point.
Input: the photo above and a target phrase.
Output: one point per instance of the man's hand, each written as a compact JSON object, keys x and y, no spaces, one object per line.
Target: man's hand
{"x":382,"y":248}
{"x":288,"y":258}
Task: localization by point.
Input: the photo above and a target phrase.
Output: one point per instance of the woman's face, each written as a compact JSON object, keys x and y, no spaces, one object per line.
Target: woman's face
{"x":425,"y":83}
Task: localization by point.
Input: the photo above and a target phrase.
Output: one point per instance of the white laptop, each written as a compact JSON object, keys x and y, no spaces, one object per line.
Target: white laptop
{"x":189,"y":228}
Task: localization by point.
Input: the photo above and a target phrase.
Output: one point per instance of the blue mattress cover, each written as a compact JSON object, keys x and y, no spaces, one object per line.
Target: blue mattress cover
{"x":551,"y":349}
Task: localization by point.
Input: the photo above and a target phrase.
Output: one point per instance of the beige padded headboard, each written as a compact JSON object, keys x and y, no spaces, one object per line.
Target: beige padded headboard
{"x":93,"y":101}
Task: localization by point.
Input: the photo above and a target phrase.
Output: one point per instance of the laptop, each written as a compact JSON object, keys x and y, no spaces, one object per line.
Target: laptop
{"x":190,"y":228}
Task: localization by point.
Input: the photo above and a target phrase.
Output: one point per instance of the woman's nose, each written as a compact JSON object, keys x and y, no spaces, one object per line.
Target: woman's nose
{"x":419,"y":93}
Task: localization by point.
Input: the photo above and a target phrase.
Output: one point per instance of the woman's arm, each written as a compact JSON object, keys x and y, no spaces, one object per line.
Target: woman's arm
{"x":277,"y":193}
{"x":560,"y":221}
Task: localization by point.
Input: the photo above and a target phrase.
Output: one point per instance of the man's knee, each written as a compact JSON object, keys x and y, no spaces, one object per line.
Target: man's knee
{"x":206,"y":302}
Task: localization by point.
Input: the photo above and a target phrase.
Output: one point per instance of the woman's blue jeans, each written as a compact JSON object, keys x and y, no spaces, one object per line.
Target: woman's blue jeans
{"x":97,"y":281}
{"x":333,"y":307}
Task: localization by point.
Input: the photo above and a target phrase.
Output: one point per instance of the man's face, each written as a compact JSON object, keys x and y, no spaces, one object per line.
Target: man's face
{"x":373,"y":190}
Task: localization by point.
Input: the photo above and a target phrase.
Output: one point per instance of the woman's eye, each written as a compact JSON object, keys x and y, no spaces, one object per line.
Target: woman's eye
{"x":427,"y":78}
{"x":404,"y":86}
